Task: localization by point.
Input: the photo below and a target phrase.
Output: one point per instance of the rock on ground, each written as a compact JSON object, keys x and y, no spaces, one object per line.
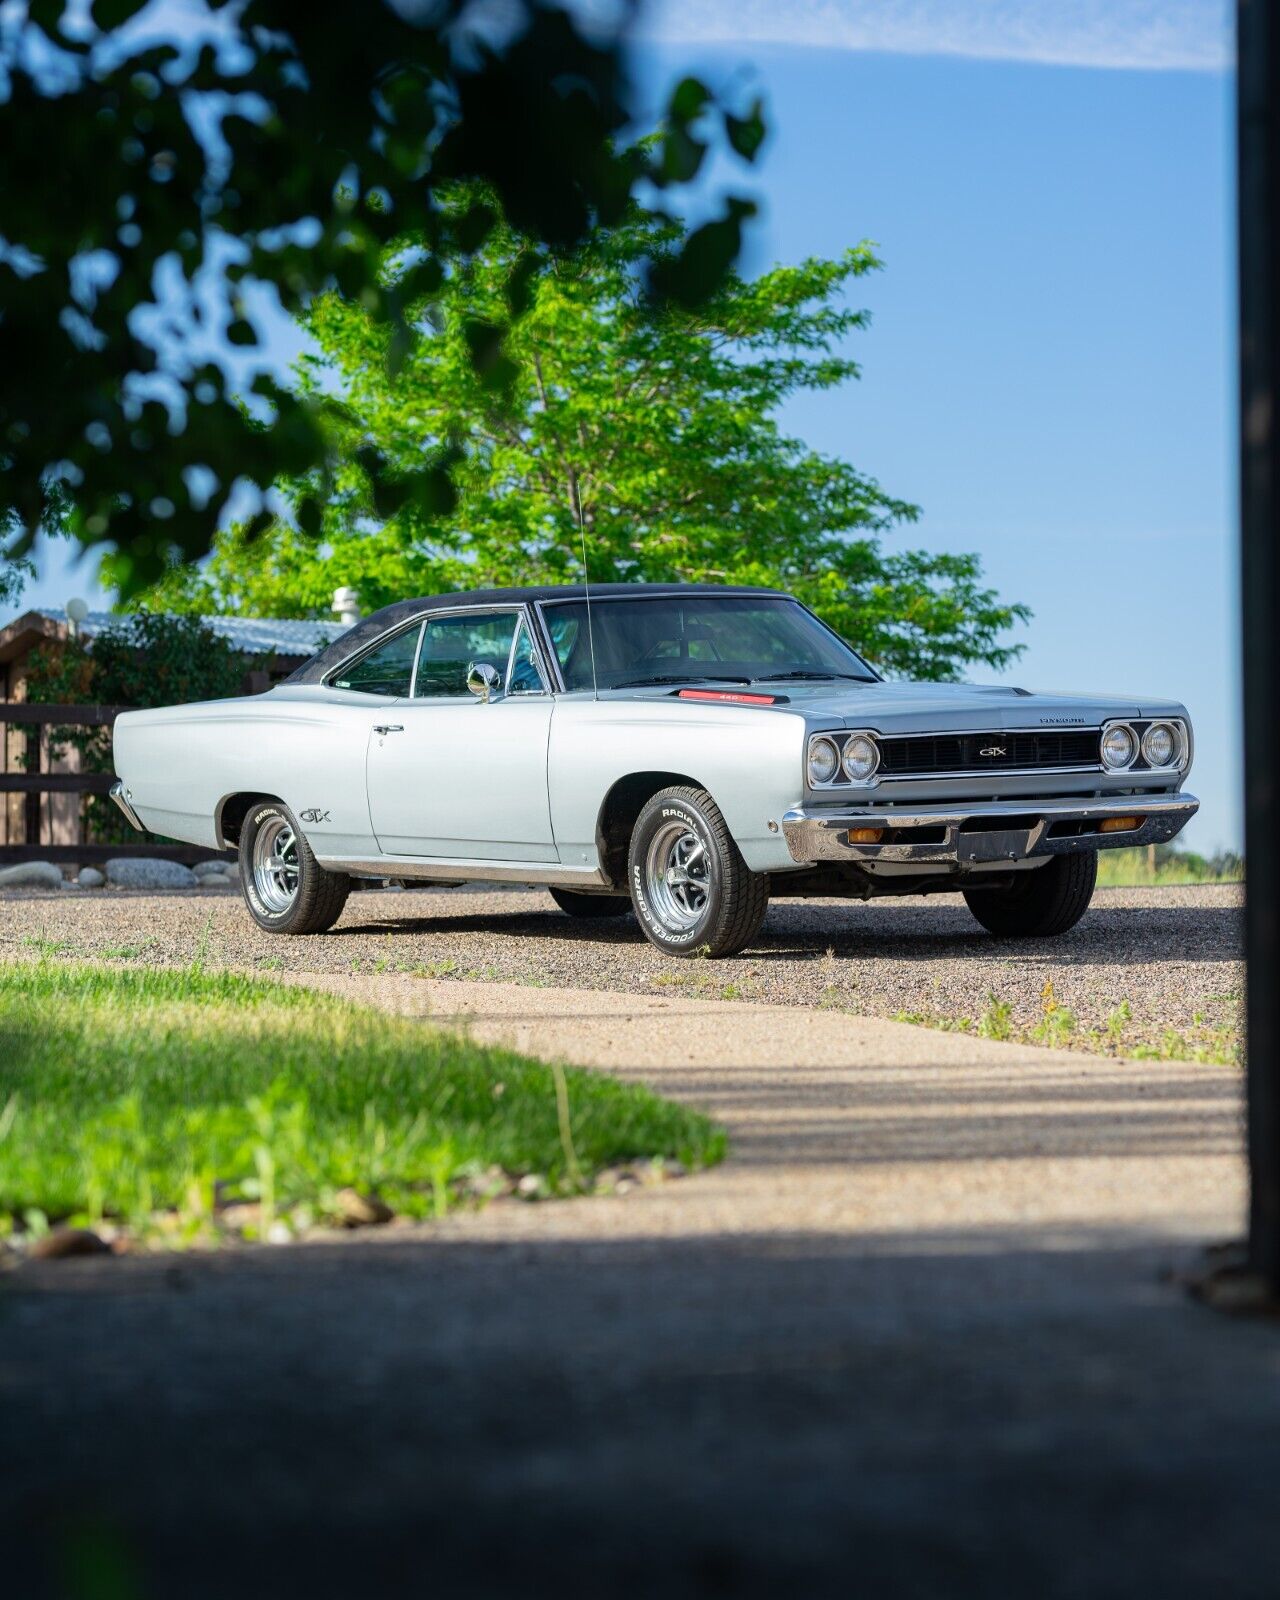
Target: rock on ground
{"x":149,"y":872}
{"x":31,"y":875}
{"x":90,"y":878}
{"x":212,"y":869}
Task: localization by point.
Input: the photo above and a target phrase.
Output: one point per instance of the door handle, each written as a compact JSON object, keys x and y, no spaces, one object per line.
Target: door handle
{"x":388,"y":727}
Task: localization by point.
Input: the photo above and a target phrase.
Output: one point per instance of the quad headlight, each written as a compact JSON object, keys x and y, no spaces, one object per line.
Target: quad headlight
{"x":1160,"y":745}
{"x":861,"y":758}
{"x":855,"y":756}
{"x":1119,"y":746}
{"x":824,"y":761}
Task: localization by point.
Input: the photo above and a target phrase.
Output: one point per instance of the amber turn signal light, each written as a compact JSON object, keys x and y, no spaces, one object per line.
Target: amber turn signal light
{"x":866,"y":835}
{"x":1118,"y":824}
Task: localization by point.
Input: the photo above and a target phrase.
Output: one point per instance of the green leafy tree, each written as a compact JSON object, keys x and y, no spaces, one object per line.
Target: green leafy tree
{"x":165,"y":172}
{"x":144,"y":660}
{"x":13,"y":576}
{"x":647,"y":438}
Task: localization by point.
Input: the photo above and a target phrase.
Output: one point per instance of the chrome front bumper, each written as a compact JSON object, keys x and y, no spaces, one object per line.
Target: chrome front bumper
{"x":976,"y":835}
{"x":121,"y":798}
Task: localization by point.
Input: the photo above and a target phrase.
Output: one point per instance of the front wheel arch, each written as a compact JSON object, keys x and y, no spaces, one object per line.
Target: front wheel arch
{"x":619,"y":811}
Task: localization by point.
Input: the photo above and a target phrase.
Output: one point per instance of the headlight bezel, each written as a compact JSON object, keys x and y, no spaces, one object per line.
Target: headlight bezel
{"x":1119,"y":725}
{"x":839,"y":739}
{"x":816,"y":742}
{"x":1138,"y":729}
{"x":1178,"y":743}
{"x":864,"y":778}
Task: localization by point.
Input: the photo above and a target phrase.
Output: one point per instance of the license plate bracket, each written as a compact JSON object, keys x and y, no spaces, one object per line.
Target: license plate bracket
{"x":1004,"y":844}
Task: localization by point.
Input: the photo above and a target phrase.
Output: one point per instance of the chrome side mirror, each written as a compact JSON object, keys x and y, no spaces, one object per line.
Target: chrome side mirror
{"x":483,"y":680}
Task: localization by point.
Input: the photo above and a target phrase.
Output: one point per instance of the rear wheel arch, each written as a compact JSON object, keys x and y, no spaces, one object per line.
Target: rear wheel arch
{"x":231,"y":812}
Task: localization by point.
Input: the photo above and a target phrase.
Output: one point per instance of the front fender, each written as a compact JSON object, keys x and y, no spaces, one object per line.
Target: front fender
{"x":748,"y":759}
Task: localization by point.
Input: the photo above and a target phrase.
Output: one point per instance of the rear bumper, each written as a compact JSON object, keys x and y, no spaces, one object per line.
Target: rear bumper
{"x":980,"y":834}
{"x":121,"y":798}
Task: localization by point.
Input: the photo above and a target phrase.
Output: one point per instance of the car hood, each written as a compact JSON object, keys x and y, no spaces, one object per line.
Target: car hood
{"x":916,"y":707}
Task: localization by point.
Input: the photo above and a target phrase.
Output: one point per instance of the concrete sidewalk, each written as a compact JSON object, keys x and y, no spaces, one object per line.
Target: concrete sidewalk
{"x":853,"y":1125}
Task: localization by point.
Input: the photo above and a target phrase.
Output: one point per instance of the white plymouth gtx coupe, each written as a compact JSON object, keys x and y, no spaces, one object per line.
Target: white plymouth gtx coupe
{"x":680,"y":751}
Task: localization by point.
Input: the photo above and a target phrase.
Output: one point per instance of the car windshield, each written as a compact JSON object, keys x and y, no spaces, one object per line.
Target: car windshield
{"x":696,"y":638}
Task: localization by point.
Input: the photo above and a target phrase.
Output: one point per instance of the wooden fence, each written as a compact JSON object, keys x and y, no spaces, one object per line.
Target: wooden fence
{"x":33,"y":783}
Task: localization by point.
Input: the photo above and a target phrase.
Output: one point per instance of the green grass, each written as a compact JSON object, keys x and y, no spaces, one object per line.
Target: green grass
{"x":144,"y":1095}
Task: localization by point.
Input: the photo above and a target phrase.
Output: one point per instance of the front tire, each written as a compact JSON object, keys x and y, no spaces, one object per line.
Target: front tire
{"x":1044,"y":903}
{"x":590,"y":906}
{"x":693,"y":893}
{"x":285,"y":887}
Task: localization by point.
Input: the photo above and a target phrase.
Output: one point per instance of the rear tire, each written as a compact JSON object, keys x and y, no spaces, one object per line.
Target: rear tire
{"x":285,"y":887}
{"x":1043,"y":903}
{"x":590,"y":906}
{"x":692,"y":891}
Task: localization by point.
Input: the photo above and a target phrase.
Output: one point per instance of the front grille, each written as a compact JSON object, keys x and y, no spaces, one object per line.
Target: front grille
{"x":989,"y":752}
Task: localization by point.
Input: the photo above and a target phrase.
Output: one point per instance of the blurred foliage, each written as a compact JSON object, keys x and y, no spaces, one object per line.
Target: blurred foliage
{"x":13,"y":576}
{"x":172,"y":171}
{"x":649,"y":435}
{"x":1167,"y":865}
{"x":145,"y":660}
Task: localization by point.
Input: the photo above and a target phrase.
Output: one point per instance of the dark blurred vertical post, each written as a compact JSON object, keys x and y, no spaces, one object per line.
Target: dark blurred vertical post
{"x":1258,"y":23}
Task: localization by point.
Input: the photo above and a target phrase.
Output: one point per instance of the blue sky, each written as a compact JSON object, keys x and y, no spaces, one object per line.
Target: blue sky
{"x":1050,"y":367}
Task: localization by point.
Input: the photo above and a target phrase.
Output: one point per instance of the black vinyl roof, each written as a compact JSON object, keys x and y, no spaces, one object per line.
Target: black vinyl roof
{"x":379,"y":622}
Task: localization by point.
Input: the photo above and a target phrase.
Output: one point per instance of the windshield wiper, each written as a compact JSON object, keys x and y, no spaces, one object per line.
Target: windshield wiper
{"x":777,"y":677}
{"x":681,"y":677}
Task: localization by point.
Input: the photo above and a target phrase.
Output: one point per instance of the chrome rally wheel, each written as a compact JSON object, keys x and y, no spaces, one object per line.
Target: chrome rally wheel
{"x":678,"y":875}
{"x":284,"y":886}
{"x":275,"y":865}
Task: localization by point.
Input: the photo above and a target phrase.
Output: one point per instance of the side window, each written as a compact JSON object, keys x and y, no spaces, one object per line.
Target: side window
{"x":564,"y":634}
{"x":451,"y":644}
{"x":386,"y":669}
{"x":525,"y":677}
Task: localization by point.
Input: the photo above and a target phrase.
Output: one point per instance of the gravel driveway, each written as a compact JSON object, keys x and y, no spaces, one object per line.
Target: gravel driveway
{"x":1172,"y":956}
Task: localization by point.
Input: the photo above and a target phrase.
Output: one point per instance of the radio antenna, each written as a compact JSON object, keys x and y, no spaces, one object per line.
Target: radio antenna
{"x":586,"y":586}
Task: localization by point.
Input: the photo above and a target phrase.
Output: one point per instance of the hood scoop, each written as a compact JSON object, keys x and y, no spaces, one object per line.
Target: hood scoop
{"x":732,"y":697}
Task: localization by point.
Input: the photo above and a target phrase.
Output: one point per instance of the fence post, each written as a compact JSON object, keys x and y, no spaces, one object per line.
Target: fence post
{"x":1258,"y":91}
{"x":31,"y":826}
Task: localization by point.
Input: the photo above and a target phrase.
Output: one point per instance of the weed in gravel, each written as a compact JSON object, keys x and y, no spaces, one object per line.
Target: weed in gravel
{"x":1117,"y":1021}
{"x":44,"y":946}
{"x":996,"y":1021}
{"x":126,"y":952}
{"x":1056,"y":1024}
{"x":924,"y":1019}
{"x":1207,"y":1046}
{"x":435,"y":969}
{"x":1058,"y":1028}
{"x":201,"y":956}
